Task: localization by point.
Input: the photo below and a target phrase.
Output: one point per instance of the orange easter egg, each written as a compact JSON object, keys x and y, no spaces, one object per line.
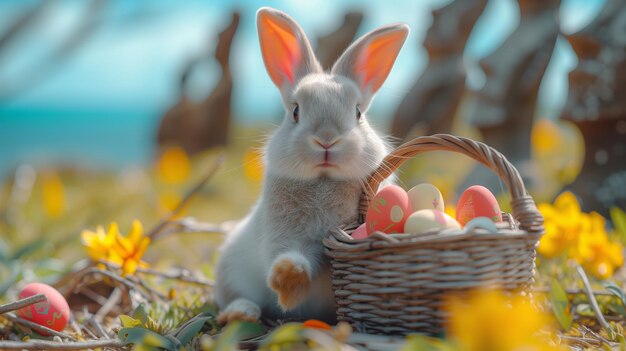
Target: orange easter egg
{"x":388,"y":210}
{"x":360,"y":232}
{"x":477,"y":201}
{"x":53,"y":313}
{"x":316,"y":324}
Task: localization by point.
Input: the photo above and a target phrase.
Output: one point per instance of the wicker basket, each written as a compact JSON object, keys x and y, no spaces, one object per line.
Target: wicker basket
{"x":394,"y":284}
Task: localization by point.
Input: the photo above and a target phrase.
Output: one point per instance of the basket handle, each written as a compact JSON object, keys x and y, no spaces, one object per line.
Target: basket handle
{"x":522,"y":204}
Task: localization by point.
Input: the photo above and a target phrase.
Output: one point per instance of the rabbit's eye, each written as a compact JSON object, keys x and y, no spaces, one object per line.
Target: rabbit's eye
{"x":358,"y":113}
{"x":296,"y":113}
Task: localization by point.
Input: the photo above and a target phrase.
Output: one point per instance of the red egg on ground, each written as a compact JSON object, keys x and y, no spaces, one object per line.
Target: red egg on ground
{"x":388,"y":210}
{"x":53,"y":313}
{"x":477,"y":201}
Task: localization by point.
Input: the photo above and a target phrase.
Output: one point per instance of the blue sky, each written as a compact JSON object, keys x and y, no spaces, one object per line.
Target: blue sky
{"x":131,"y":65}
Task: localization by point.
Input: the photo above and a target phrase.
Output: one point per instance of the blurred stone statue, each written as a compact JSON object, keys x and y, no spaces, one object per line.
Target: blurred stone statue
{"x":435,"y":97}
{"x":597,"y":106}
{"x":198,"y":126}
{"x":333,"y":44}
{"x":504,"y":109}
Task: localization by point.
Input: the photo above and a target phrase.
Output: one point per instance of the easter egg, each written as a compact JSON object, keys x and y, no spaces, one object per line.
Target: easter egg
{"x":477,"y":201}
{"x":481,"y":223}
{"x":425,"y":196}
{"x":388,"y":210}
{"x":360,"y":232}
{"x":424,"y":220}
{"x":53,"y":313}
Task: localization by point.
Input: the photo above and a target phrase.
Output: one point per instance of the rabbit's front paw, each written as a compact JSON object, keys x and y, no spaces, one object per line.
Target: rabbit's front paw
{"x":290,"y":279}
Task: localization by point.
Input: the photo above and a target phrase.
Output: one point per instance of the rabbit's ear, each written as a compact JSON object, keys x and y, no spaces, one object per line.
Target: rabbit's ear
{"x":369,"y":60}
{"x":286,"y":51}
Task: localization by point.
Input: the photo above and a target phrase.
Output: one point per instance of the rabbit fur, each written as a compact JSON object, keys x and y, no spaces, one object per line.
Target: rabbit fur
{"x":317,"y":163}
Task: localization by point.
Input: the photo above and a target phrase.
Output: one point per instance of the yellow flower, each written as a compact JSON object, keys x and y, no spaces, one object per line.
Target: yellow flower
{"x":580,"y":236}
{"x":174,"y":166}
{"x":53,"y":194}
{"x":563,"y":222}
{"x":595,"y":252}
{"x":112,"y":247}
{"x":99,"y":244}
{"x":476,"y":323}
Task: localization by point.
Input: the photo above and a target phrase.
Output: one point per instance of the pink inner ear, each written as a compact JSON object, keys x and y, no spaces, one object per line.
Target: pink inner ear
{"x":280,"y":49}
{"x":376,"y":59}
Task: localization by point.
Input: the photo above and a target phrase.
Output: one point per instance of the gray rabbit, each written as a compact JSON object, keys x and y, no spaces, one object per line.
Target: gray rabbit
{"x":316,"y":165}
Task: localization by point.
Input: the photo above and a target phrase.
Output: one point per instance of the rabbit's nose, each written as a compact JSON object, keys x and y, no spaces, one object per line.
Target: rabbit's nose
{"x":324,"y":144}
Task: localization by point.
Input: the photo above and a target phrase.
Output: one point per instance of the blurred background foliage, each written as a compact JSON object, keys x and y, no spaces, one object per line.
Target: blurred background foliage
{"x":84,"y":86}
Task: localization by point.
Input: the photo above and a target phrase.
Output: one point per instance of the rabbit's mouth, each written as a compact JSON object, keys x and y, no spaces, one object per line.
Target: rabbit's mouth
{"x":326,"y":164}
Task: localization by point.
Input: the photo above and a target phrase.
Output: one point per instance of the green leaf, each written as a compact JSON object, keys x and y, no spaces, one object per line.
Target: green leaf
{"x":618,"y":217}
{"x":560,"y":305}
{"x":235,"y":332}
{"x":617,"y":308}
{"x":140,"y":313}
{"x":287,"y":333}
{"x":129,"y":322}
{"x":145,"y":337}
{"x":27,"y":250}
{"x":189,"y":331}
{"x":617,"y":291}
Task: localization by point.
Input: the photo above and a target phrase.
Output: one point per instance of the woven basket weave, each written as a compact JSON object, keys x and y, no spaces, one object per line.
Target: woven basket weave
{"x":395,"y":284}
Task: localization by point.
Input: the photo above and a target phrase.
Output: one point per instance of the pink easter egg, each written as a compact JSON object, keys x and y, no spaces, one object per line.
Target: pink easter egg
{"x":53,"y":313}
{"x":388,"y":210}
{"x":360,"y":232}
{"x":477,"y":201}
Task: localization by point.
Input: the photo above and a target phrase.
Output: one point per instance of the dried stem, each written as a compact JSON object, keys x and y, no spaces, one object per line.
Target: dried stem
{"x":51,"y":345}
{"x":99,"y":328}
{"x":182,"y":275}
{"x":111,"y":275}
{"x":22,"y":303}
{"x":154,"y":233}
{"x":111,"y":302}
{"x":191,"y":225}
{"x":39,"y":328}
{"x":592,"y":299}
{"x":573,"y":291}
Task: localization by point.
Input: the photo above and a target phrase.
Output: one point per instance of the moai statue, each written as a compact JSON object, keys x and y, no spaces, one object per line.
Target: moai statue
{"x":597,"y":106}
{"x":198,"y":126}
{"x":435,"y":97}
{"x":504,"y":109}
{"x":330,"y":46}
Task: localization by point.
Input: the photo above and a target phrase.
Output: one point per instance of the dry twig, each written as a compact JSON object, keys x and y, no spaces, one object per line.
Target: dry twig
{"x":156,"y":231}
{"x":572,"y":291}
{"x":111,"y":302}
{"x":40,"y":328}
{"x":22,"y":303}
{"x":182,"y":275}
{"x":52,"y":345}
